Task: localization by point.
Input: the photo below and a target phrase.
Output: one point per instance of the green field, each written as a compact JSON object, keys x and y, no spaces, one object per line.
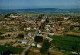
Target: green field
{"x":14,"y":50}
{"x":68,"y":43}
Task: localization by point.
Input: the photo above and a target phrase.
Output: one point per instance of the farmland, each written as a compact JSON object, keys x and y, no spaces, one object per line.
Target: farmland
{"x":66,"y":43}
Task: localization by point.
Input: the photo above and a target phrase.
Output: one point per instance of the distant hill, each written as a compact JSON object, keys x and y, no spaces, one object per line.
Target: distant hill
{"x":39,"y":10}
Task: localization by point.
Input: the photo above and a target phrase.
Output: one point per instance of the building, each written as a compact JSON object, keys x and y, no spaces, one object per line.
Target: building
{"x":22,"y":41}
{"x":39,"y":45}
{"x":33,"y":44}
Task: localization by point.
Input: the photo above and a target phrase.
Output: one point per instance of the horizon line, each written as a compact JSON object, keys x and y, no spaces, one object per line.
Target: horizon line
{"x":38,"y":8}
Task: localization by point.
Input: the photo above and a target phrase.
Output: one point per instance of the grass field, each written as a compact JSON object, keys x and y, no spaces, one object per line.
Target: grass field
{"x":66,"y":42}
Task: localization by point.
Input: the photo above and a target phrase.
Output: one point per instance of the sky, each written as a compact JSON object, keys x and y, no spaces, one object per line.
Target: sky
{"x":26,"y":4}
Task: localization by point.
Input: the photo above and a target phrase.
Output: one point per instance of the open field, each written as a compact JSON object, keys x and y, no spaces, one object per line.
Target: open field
{"x":52,"y":52}
{"x":75,"y":33}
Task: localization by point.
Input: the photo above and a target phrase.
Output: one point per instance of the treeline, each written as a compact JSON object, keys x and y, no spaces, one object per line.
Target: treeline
{"x":14,"y":50}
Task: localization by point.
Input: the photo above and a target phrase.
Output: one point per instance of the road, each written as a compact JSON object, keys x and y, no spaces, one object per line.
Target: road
{"x":27,"y":48}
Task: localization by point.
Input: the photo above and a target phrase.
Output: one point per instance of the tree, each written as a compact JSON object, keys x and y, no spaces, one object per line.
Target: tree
{"x":42,"y":25}
{"x":38,"y":39}
{"x":22,"y":27}
{"x":47,"y":20}
{"x":9,"y":35}
{"x":1,"y":33}
{"x":76,"y":47}
{"x":7,"y":15}
{"x":8,"y":52}
{"x":2,"y":37}
{"x":71,"y":27}
{"x":45,"y":46}
{"x":20,"y":36}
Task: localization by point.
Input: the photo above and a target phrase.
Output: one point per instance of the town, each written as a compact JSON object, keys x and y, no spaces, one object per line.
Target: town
{"x":27,"y":34}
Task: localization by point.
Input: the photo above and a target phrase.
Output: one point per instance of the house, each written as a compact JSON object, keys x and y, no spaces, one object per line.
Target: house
{"x":39,"y":45}
{"x":34,"y":25}
{"x":35,"y":28}
{"x":25,"y":37}
{"x":43,"y":37}
{"x":42,"y":20}
{"x":47,"y":29}
{"x":34,"y":44}
{"x":53,"y":25}
{"x":39,"y":31}
{"x":28,"y":28}
{"x":47,"y":25}
{"x":40,"y":34}
{"x":50,"y":33}
{"x":54,"y":30}
{"x":48,"y":38}
{"x":66,"y":18}
{"x":22,"y":41}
